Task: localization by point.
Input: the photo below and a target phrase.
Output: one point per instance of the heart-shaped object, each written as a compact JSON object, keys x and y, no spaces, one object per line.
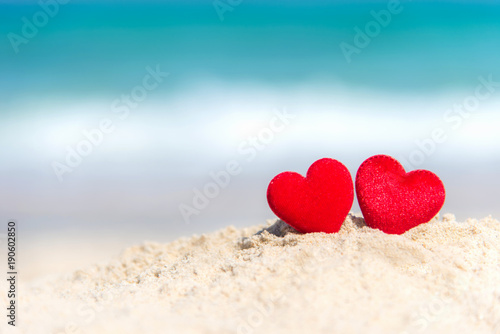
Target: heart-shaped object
{"x":318,"y":202}
{"x":394,"y":201}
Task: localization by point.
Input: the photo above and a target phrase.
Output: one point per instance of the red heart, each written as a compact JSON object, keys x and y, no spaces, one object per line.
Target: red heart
{"x":318,"y":202}
{"x":394,"y":201}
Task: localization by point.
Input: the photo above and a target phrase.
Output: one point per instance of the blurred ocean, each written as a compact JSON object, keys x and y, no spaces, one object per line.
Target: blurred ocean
{"x":226,"y":81}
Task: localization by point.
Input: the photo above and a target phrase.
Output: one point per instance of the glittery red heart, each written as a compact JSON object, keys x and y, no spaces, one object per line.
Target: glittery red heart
{"x":318,"y":202}
{"x":394,"y":201}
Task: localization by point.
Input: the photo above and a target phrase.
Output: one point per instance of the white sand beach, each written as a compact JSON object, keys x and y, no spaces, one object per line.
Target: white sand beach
{"x":440,"y":277}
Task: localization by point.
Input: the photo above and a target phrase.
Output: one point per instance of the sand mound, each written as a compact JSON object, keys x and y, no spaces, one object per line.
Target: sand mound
{"x":440,"y":277}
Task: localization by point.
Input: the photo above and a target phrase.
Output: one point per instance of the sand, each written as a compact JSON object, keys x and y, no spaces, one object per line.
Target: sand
{"x":440,"y":277}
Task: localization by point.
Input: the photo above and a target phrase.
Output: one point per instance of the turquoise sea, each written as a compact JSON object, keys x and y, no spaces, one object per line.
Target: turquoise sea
{"x":183,"y":86}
